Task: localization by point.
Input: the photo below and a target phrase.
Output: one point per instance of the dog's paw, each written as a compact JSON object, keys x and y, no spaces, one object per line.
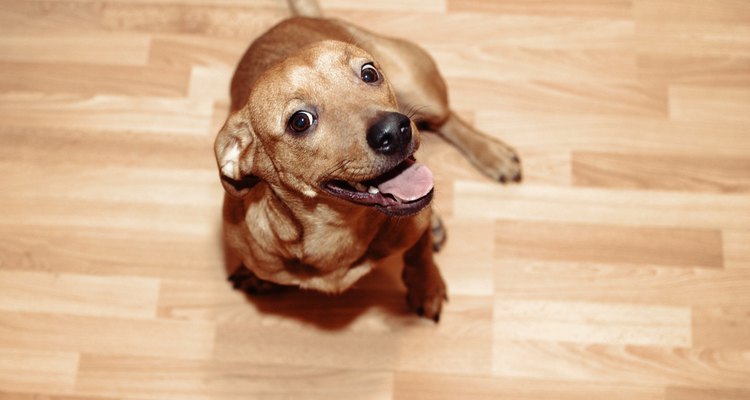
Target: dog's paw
{"x":245,"y":280}
{"x":427,"y":301}
{"x":510,"y":171}
{"x":500,"y":162}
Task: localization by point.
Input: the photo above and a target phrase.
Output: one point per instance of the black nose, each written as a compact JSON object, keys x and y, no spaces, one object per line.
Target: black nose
{"x":390,"y":134}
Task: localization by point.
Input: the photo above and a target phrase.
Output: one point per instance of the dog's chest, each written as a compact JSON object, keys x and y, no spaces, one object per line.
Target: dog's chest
{"x":331,"y":249}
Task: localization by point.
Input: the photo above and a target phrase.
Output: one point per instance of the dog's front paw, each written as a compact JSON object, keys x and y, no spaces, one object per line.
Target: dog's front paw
{"x":245,"y":280}
{"x":499,"y":162}
{"x":427,"y":299}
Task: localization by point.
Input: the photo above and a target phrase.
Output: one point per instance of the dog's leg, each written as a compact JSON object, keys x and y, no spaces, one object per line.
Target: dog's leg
{"x":426,"y":288}
{"x":245,"y":280}
{"x":491,"y":156}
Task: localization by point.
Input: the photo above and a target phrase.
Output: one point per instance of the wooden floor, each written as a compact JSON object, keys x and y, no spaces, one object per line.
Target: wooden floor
{"x":619,"y":269}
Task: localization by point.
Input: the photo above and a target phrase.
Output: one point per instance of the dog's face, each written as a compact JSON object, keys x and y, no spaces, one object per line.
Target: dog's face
{"x":326,"y":123}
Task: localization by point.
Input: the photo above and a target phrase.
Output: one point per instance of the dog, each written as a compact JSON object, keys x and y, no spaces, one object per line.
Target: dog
{"x":317,"y":159}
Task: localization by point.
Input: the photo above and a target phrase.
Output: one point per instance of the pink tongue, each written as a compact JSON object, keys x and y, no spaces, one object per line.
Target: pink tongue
{"x":411,"y":184}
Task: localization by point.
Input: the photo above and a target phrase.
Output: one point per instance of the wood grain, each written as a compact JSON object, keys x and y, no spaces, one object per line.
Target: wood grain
{"x":78,"y":294}
{"x":597,"y":244}
{"x":619,"y":269}
{"x":661,"y":172}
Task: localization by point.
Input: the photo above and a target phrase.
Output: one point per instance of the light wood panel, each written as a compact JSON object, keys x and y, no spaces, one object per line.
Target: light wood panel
{"x":661,"y":172}
{"x":619,"y":269}
{"x":78,"y":294}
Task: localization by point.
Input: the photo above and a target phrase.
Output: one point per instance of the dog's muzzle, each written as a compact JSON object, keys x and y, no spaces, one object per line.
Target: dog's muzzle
{"x":402,"y":191}
{"x":391,"y":134}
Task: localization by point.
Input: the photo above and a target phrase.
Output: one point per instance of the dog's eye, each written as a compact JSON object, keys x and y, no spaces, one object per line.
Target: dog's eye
{"x":301,"y":121}
{"x":369,"y":74}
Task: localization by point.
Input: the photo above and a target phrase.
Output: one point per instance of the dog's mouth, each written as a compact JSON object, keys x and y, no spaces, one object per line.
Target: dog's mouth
{"x":402,"y":191}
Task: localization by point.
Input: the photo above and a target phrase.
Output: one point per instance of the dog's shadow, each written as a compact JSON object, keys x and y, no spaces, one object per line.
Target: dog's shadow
{"x":379,"y":291}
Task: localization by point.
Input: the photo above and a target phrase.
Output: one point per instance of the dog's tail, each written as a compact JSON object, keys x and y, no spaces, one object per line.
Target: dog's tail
{"x":305,"y":8}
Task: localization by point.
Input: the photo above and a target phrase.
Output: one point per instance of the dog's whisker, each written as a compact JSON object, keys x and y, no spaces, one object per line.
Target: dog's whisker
{"x":414,"y":113}
{"x":338,"y":167}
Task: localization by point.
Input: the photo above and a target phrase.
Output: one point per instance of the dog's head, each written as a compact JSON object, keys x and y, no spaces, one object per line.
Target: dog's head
{"x":326,"y":123}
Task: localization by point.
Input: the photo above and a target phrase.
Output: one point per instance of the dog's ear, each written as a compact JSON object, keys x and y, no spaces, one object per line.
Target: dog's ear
{"x":235,"y":149}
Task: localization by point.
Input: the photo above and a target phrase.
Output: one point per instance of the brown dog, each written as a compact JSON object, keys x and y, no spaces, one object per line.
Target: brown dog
{"x":318,"y":162}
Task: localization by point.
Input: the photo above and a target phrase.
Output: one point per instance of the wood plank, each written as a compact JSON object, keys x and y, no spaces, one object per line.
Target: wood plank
{"x":189,"y":299}
{"x":608,"y":244}
{"x":592,"y":206}
{"x":578,"y":8}
{"x":181,"y":51}
{"x":722,"y":327}
{"x":467,"y":266}
{"x":106,"y":336}
{"x":692,"y":103}
{"x":437,"y":6}
{"x":619,"y":268}
{"x":206,"y":19}
{"x":698,"y":70}
{"x":210,"y":83}
{"x":290,"y":347}
{"x":736,"y":249}
{"x":419,"y":353}
{"x":102,"y":49}
{"x":504,"y":63}
{"x":423,"y":386}
{"x":87,"y":79}
{"x":403,"y":343}
{"x":519,"y":31}
{"x":107,"y":252}
{"x":612,"y":283}
{"x":697,"y":12}
{"x":661,"y":172}
{"x":262,"y":4}
{"x":78,"y":294}
{"x":36,"y":396}
{"x":582,"y":322}
{"x":72,"y":213}
{"x":96,"y":149}
{"x":546,"y":167}
{"x":635,"y":365}
{"x":701,"y":28}
{"x":107,"y":113}
{"x":716,"y":393}
{"x":162,"y":186}
{"x":30,"y":370}
{"x":154,"y":378}
{"x":540,"y":131}
{"x":561,"y":98}
{"x":24,"y":17}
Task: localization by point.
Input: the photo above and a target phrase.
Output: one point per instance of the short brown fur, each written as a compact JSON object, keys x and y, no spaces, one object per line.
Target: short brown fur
{"x":278,"y":222}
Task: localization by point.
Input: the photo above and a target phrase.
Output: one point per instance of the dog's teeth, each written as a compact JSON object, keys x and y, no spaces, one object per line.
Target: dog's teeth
{"x":373,"y":190}
{"x":360,"y":187}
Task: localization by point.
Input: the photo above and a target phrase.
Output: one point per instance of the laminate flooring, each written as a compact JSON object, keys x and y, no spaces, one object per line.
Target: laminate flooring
{"x":618,"y":269}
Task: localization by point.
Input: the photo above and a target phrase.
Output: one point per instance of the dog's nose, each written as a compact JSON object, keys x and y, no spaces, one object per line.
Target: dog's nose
{"x":390,"y":134}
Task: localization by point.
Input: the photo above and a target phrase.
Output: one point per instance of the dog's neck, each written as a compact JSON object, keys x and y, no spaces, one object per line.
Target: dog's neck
{"x":299,"y":219}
